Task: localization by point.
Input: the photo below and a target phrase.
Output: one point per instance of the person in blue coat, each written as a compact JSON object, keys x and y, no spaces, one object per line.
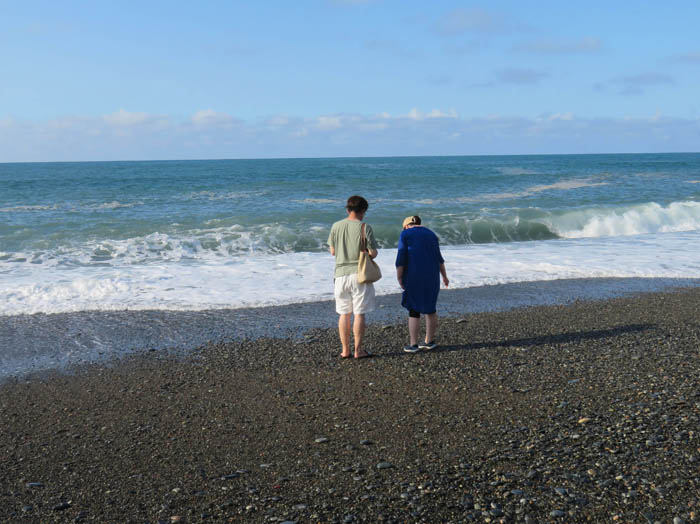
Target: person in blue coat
{"x":419,"y":265}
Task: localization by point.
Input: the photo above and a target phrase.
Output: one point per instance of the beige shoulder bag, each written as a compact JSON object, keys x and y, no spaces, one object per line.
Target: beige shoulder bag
{"x":367,"y":269}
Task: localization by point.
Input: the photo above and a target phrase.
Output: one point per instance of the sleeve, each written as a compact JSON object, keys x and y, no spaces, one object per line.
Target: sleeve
{"x":402,"y":253}
{"x":331,"y":237}
{"x":437,"y":250}
{"x":371,"y":241}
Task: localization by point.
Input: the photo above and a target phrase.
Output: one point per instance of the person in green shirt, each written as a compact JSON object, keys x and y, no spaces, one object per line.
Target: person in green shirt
{"x":351,"y":297}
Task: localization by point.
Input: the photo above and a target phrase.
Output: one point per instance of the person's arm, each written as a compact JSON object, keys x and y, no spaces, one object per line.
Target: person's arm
{"x":399,"y":275}
{"x":443,"y":272}
{"x":401,"y":256}
{"x":332,"y":250}
{"x":371,"y":242}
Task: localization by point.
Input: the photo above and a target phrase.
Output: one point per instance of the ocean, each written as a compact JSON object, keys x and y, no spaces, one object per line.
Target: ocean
{"x":194,"y":236}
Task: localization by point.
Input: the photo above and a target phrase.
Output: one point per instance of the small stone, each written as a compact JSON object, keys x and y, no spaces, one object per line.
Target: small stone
{"x":289,"y":522}
{"x":266,"y":466}
{"x":557,"y":513}
{"x":62,"y":506}
{"x":366,"y":442}
{"x":230,"y":476}
{"x":35,"y":485}
{"x":385,"y":465}
{"x":517,"y":492}
{"x":678,"y":520}
{"x":461,"y":321}
{"x":561,"y":491}
{"x":176,"y":518}
{"x":321,"y":440}
{"x":349,"y":518}
{"x":584,"y":420}
{"x":300,"y":507}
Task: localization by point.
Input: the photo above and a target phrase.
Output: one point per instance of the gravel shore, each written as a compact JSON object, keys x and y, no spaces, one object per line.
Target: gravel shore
{"x":587,"y":412}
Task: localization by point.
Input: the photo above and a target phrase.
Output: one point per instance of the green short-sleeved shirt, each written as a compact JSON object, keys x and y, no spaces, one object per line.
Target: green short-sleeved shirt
{"x":345,"y":239}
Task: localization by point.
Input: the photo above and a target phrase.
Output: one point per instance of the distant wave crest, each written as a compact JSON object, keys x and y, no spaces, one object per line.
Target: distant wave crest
{"x":633,"y":220}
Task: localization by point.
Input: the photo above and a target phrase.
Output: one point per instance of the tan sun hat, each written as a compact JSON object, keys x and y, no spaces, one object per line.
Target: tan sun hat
{"x":411,"y":221}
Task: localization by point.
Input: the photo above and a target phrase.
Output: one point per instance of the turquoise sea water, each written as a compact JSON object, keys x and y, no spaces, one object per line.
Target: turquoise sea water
{"x":114,"y":235}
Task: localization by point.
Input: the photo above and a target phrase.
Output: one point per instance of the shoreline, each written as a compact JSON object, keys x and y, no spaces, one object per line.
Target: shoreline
{"x":44,"y":342}
{"x":552,"y":413}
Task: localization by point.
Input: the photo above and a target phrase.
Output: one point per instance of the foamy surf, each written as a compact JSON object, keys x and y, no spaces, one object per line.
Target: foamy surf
{"x":277,"y":279}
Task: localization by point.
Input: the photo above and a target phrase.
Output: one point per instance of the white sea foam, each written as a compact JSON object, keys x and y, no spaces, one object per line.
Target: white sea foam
{"x":268,"y":279}
{"x":16,"y":209}
{"x":317,"y":201}
{"x":635,"y":220}
{"x":114,"y":205}
{"x":564,"y":185}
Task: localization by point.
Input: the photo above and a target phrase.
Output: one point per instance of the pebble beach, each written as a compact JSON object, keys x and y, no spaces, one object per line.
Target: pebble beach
{"x":585,"y":412}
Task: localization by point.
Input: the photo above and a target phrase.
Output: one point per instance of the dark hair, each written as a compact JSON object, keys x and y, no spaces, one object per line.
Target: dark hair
{"x":357,"y":204}
{"x":416,"y":220}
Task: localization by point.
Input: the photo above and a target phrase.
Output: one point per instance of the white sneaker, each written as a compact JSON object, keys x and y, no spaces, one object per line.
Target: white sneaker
{"x":427,"y":345}
{"x":411,"y":349}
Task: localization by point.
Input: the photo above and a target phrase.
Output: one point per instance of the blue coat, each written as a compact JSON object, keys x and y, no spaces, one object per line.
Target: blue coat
{"x":419,"y":254}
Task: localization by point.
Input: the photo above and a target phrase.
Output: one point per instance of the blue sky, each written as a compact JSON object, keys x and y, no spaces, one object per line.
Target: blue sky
{"x":158,"y":80}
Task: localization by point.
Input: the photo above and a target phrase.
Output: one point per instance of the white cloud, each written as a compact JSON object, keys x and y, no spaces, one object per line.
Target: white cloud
{"x":209,"y":117}
{"x":436,"y":132}
{"x":415,"y":114}
{"x":125,"y":118}
{"x":328,"y":122}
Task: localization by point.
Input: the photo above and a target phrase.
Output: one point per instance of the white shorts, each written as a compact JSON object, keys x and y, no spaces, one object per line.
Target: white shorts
{"x":353,"y":297}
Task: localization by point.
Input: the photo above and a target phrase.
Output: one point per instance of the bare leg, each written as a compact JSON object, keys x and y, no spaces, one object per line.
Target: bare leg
{"x":344,"y":332}
{"x":414,"y":329}
{"x":358,"y":329}
{"x":431,"y":325}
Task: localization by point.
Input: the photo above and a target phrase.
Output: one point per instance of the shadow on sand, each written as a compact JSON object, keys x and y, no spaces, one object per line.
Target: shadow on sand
{"x":562,"y":338}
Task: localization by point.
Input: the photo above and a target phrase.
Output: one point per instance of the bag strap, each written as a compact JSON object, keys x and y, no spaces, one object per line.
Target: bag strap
{"x":363,"y":238}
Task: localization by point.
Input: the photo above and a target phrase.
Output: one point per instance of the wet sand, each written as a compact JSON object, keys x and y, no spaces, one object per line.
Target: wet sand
{"x":586,"y":412}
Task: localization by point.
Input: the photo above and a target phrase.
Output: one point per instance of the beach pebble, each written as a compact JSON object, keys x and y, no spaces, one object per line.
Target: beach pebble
{"x":35,"y":485}
{"x":366,"y":442}
{"x":321,"y":440}
{"x":385,"y":465}
{"x":230,"y":476}
{"x":557,"y":513}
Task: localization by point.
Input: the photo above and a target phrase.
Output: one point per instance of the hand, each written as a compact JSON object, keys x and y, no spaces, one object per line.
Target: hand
{"x":446,"y":281}
{"x":400,"y":282}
